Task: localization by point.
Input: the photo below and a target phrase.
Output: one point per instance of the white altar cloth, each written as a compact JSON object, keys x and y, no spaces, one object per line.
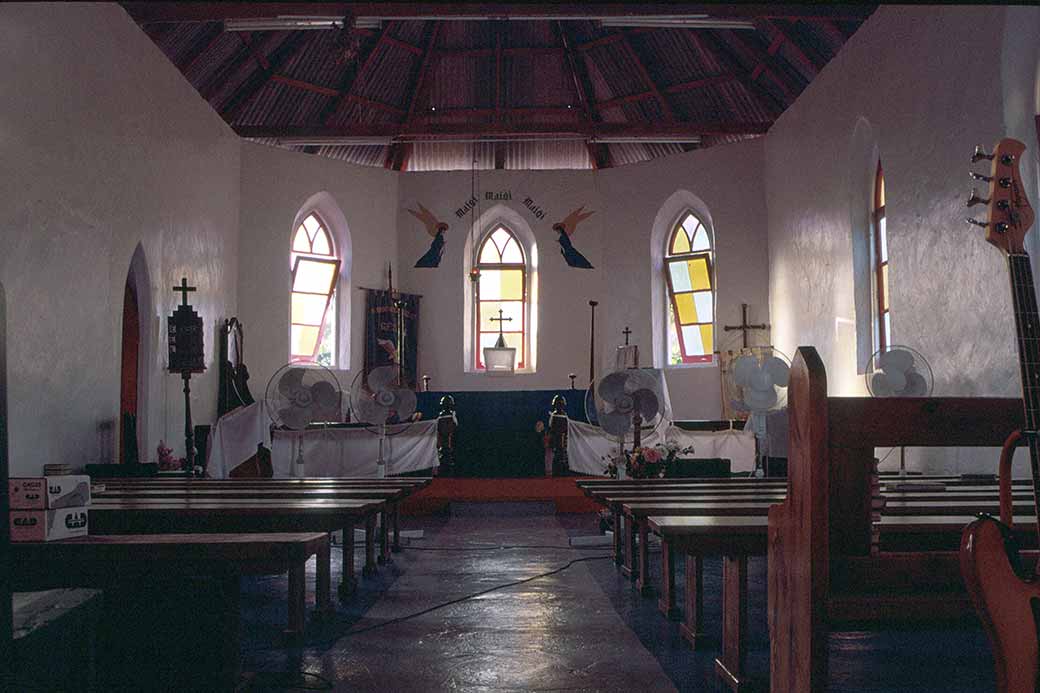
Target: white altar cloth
{"x":354,"y":451}
{"x":587,"y":445}
{"x":234,"y":438}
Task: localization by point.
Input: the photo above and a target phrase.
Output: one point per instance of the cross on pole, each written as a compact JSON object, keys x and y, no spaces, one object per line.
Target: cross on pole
{"x":744,"y":326}
{"x":183,"y":289}
{"x":626,"y":332}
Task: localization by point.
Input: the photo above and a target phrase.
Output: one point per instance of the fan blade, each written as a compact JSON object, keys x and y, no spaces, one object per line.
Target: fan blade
{"x":324,"y":394}
{"x":612,"y":386}
{"x":779,"y":372}
{"x":404,"y":404}
{"x":291,"y":381}
{"x":895,"y":361}
{"x":615,"y":424}
{"x":370,"y":412}
{"x":381,"y":378}
{"x":760,"y":400}
{"x":896,"y":381}
{"x":744,"y":368}
{"x":761,"y":381}
{"x":639,"y":379}
{"x":295,"y":418}
{"x":647,"y":401}
{"x":879,"y":385}
{"x":916,"y":385}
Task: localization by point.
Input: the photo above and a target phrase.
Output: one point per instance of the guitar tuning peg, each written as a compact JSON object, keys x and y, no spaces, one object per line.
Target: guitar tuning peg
{"x":976,"y":222}
{"x":974,"y":199}
{"x":980,"y":154}
{"x":979,"y":176}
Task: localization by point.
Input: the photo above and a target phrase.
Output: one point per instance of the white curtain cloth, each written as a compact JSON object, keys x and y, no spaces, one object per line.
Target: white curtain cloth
{"x":234,"y":438}
{"x":354,"y":451}
{"x":587,"y":445}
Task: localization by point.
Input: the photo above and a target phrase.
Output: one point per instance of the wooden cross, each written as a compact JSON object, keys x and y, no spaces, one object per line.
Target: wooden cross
{"x":500,"y":320}
{"x":184,"y":289}
{"x":744,"y":326}
{"x":626,"y":332}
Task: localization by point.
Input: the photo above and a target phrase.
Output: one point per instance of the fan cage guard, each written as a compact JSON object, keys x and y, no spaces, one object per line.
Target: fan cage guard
{"x":926,"y":372}
{"x":734,"y":393}
{"x":273,"y":394}
{"x":592,"y":414}
{"x":391,"y":429}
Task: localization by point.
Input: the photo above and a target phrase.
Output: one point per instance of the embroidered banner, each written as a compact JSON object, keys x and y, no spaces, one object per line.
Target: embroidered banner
{"x":381,"y":332}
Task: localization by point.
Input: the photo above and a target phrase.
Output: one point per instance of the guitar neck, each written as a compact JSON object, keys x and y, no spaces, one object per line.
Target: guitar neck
{"x":1027,"y":328}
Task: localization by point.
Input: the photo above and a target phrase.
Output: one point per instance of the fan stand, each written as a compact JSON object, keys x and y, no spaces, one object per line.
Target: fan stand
{"x":380,"y":463}
{"x":299,"y":469}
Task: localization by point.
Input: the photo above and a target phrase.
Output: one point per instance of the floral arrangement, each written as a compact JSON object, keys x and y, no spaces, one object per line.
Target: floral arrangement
{"x":646,"y":462}
{"x":166,"y":459}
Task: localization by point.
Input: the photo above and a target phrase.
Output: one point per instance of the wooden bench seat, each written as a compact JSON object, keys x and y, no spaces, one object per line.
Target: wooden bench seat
{"x":123,"y":561}
{"x":187,"y":515}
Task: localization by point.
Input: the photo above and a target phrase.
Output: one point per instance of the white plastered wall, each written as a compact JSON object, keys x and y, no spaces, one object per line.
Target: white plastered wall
{"x":931,"y":82}
{"x":103,"y":146}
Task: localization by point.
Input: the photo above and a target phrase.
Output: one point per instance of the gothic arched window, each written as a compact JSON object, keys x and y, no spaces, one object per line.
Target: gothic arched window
{"x":689,"y":272}
{"x":502,"y":285}
{"x":883,"y":325}
{"x":312,"y":312}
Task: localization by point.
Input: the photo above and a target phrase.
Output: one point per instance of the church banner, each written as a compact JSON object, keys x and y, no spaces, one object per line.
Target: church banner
{"x":382,"y":347}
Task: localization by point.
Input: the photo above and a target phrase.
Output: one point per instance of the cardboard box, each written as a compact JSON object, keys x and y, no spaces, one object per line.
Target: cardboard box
{"x":48,"y":525}
{"x":37,"y":493}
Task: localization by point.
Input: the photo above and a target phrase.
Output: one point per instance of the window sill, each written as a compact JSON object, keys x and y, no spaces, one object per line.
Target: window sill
{"x":714,"y":363}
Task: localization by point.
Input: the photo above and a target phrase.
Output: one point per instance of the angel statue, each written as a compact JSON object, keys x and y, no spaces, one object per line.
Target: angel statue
{"x":436,"y":229}
{"x":566,"y":229}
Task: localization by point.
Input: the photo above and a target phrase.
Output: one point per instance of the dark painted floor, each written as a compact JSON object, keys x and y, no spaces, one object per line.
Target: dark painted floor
{"x":584,"y":628}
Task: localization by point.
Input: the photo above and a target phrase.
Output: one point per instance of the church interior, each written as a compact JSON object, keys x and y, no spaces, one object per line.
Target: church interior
{"x":595,"y":346}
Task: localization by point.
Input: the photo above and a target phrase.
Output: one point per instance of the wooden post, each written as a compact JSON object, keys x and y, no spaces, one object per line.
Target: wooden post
{"x":666,"y":601}
{"x":370,"y":546}
{"x":348,"y":582}
{"x":592,"y":343}
{"x":730,"y":666}
{"x":693,"y":605}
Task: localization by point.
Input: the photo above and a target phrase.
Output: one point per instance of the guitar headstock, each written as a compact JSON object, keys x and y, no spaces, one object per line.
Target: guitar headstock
{"x":1010,"y":215}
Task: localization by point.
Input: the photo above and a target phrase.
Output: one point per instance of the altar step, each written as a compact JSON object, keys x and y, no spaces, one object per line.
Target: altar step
{"x":560,"y":494}
{"x":502,"y":509}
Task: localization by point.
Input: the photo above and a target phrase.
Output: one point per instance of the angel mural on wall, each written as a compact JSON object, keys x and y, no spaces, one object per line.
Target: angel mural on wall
{"x":566,"y":229}
{"x":436,"y":229}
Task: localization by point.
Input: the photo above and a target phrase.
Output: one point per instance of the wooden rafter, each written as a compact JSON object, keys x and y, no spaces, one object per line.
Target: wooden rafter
{"x":220,"y":76}
{"x":207,"y":11}
{"x":767,"y":64}
{"x":701,"y":83}
{"x":598,"y":153}
{"x":666,"y":108}
{"x":397,"y":155}
{"x":448,"y":131}
{"x":202,"y":46}
{"x":289,"y":49}
{"x":810,"y":64}
{"x":352,"y":78}
{"x":714,"y":48}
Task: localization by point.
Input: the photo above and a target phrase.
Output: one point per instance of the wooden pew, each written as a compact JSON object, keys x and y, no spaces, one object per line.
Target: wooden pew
{"x":118,"y":562}
{"x":187,"y":515}
{"x":819,"y":537}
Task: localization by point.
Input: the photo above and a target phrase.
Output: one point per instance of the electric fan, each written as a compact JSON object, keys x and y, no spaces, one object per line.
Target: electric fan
{"x":898,"y":371}
{"x":298,"y":396}
{"x":624,"y":401}
{"x":379,"y":402}
{"x":756,"y":384}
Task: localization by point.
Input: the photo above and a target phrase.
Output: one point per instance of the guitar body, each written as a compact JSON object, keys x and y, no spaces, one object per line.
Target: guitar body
{"x":1006,"y":601}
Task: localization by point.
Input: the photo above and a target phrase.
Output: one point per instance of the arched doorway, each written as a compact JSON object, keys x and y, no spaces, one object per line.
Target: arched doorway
{"x":133,"y":388}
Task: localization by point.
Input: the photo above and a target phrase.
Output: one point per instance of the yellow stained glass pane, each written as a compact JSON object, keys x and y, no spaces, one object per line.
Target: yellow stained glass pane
{"x":303,"y":340}
{"x":321,"y":244}
{"x":301,"y":244}
{"x":489,"y":253}
{"x":708,"y":338}
{"x":680,"y":243}
{"x":699,"y":277}
{"x":884,"y":288}
{"x":687,"y":309}
{"x":504,"y":285}
{"x":881,"y":190}
{"x":314,"y":276}
{"x":512,"y":312}
{"x":308,"y":309}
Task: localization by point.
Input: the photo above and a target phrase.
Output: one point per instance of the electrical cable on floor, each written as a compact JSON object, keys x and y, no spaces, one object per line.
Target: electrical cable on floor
{"x":442,"y":605}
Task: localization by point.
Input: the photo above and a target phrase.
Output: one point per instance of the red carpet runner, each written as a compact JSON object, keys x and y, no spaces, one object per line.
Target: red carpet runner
{"x":561,"y":490}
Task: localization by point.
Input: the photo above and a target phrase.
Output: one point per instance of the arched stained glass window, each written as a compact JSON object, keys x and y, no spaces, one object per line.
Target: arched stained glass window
{"x":883,"y":326}
{"x":312,"y":312}
{"x":502,"y":286}
{"x":691,"y":291}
